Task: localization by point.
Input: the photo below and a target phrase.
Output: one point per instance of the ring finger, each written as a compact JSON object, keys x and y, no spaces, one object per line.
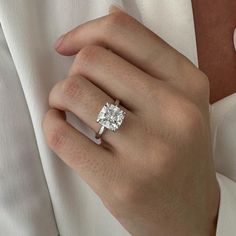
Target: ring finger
{"x":81,"y":97}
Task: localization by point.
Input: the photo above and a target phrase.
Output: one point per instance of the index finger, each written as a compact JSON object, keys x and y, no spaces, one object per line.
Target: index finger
{"x":128,"y":38}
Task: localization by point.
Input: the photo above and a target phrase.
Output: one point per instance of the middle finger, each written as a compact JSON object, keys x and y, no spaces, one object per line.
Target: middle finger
{"x":114,"y":75}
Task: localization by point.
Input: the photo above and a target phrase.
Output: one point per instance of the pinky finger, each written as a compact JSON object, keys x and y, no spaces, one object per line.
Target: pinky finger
{"x":93,"y":162}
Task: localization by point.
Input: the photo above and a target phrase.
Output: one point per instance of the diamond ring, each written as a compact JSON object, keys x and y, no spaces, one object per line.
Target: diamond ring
{"x":110,"y":117}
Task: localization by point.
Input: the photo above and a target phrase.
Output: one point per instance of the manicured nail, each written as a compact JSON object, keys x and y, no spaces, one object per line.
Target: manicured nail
{"x":59,"y":42}
{"x":114,"y":8}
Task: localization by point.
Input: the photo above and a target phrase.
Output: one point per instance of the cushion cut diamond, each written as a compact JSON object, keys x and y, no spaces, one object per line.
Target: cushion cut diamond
{"x":111,"y":117}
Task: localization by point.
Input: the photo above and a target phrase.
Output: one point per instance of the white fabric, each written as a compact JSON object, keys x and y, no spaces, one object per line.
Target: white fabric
{"x":39,"y":195}
{"x":23,"y":189}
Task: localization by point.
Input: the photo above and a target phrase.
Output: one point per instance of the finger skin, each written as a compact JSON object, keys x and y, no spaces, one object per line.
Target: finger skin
{"x":81,"y":97}
{"x":114,"y":75}
{"x":128,"y":38}
{"x":91,"y":161}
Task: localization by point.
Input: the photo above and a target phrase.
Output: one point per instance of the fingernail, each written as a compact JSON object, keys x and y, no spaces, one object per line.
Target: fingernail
{"x":114,"y":8}
{"x":59,"y":42}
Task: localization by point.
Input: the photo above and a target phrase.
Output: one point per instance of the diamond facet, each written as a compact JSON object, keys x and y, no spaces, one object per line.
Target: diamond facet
{"x":111,"y":117}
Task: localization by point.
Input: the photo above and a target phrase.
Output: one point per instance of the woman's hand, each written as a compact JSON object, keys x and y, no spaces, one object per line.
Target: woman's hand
{"x":155,"y":174}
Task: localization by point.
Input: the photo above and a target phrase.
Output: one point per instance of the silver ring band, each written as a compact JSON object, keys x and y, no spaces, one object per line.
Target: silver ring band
{"x":100,"y":132}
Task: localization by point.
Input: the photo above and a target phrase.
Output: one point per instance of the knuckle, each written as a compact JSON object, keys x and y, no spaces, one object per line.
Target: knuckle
{"x":125,"y":194}
{"x":191,"y":117}
{"x":201,"y":87}
{"x":86,"y":56}
{"x":115,"y":23}
{"x":200,"y":81}
{"x":55,"y":96}
{"x":55,"y":132}
{"x":56,"y":138}
{"x":204,"y":82}
{"x":118,"y":18}
{"x":71,"y":88}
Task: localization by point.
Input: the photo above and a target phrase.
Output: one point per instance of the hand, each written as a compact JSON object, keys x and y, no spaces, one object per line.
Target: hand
{"x":155,"y":174}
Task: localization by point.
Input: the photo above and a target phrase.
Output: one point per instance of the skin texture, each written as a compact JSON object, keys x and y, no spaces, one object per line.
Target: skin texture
{"x":156,"y":173}
{"x":214,"y":24}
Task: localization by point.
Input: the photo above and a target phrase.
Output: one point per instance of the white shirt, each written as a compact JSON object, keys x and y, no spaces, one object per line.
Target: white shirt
{"x":39,"y":194}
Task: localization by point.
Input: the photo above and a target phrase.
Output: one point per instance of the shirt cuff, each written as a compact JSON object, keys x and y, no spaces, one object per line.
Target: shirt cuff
{"x":226,"y":225}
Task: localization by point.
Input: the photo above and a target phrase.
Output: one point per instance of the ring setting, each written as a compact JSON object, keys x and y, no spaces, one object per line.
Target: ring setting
{"x":110,"y":117}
